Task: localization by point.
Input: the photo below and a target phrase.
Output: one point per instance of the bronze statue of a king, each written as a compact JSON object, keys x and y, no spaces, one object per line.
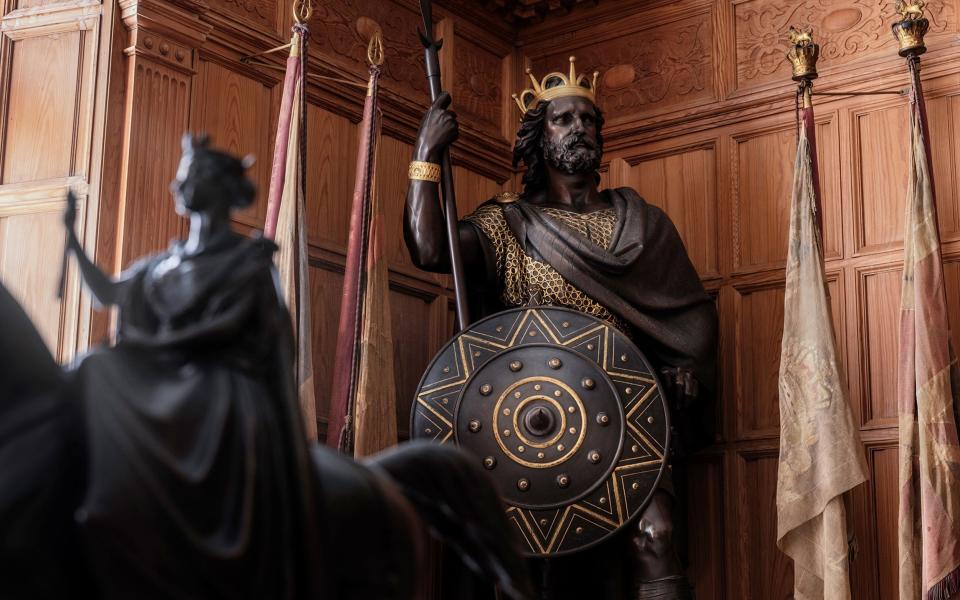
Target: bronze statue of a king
{"x":564,"y":242}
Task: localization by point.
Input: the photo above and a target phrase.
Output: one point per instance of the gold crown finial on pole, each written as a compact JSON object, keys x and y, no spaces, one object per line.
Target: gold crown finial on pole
{"x":911,"y":28}
{"x":803,"y":54}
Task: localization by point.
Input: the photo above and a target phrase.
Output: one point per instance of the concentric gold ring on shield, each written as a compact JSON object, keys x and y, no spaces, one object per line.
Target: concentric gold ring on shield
{"x":560,"y":431}
{"x":568,"y":454}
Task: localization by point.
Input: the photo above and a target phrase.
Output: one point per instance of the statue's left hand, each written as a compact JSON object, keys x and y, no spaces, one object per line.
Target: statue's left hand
{"x":682,"y":385}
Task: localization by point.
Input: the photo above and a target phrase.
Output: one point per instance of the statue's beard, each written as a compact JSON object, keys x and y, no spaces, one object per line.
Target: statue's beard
{"x":573,"y":154}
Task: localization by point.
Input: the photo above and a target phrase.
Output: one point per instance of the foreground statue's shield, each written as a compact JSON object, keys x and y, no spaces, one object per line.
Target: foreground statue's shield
{"x":563,"y":411}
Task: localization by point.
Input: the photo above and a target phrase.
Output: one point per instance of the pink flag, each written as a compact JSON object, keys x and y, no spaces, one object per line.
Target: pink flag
{"x":928,"y":383}
{"x":285,"y":223}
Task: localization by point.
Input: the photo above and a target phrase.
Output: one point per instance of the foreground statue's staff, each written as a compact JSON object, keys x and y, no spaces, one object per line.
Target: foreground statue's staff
{"x":608,"y":253}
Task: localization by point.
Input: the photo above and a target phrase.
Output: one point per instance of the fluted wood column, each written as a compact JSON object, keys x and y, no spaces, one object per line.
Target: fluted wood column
{"x":162,"y":55}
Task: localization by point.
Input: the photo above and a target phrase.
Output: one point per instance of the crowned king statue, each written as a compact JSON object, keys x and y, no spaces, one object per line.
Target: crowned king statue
{"x":563,"y":243}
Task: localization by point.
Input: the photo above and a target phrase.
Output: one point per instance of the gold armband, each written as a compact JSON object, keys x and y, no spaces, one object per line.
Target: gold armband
{"x":424,"y":171}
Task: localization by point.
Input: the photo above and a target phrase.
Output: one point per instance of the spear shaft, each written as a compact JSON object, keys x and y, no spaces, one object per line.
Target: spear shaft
{"x":431,"y":49}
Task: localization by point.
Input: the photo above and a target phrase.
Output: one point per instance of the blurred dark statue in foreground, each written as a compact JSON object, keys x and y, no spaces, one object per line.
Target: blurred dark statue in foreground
{"x":173,"y":464}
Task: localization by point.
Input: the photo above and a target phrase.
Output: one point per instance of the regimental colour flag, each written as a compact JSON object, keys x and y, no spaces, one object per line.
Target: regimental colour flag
{"x":820,"y":451}
{"x":927,"y":388}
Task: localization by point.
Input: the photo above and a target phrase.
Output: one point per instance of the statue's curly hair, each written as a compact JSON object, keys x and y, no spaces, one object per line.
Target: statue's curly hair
{"x":528,"y":148}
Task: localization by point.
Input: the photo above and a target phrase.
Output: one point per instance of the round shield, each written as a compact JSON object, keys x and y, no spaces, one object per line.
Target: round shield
{"x":562,"y":410}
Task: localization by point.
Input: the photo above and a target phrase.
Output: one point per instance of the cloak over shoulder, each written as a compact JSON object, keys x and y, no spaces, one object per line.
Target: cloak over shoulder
{"x":645,"y":277}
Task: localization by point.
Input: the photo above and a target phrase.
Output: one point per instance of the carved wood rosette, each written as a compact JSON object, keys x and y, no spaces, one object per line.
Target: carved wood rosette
{"x":164,"y":39}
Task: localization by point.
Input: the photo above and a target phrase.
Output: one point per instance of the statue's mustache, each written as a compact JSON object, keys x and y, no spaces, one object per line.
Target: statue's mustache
{"x":572,"y":140}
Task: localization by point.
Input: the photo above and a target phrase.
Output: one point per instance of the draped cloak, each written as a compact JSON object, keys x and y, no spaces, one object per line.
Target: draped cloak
{"x":644,"y":277}
{"x":199,"y":481}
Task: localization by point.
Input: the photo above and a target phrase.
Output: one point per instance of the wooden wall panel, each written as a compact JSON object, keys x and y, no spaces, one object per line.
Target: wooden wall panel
{"x":881,"y":147}
{"x":884,"y":481}
{"x":476,"y":87}
{"x":951,"y":283}
{"x":880,"y":321}
{"x":160,"y":97}
{"x":759,"y":324}
{"x":32,"y":274}
{"x":48,"y":61}
{"x":392,"y":190}
{"x":473,"y":189}
{"x":684,"y":185}
{"x":705,"y":527}
{"x":412,"y":350}
{"x":239,"y":115}
{"x":326,"y":285}
{"x":767,"y":573}
{"x":42,"y":107}
{"x":331,"y":170}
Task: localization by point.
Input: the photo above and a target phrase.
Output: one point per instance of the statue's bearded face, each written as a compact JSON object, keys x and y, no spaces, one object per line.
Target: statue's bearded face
{"x":570,"y":142}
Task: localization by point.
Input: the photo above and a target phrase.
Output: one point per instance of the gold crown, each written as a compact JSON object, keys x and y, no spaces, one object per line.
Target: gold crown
{"x":557,"y":85}
{"x":803,"y":55}
{"x":910,"y":30}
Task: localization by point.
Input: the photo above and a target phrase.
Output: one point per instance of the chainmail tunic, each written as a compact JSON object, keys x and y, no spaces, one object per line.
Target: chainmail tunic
{"x":524,"y":278}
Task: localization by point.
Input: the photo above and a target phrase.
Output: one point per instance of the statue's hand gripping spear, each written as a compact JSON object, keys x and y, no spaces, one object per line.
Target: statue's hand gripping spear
{"x":431,"y":52}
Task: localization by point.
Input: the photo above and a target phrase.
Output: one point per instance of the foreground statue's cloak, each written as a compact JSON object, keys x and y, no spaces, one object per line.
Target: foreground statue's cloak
{"x":198,"y":477}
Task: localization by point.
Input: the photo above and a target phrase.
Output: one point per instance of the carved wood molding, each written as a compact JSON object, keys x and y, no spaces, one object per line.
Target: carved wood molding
{"x":845,"y":32}
{"x":168,"y":32}
{"x":51,"y":18}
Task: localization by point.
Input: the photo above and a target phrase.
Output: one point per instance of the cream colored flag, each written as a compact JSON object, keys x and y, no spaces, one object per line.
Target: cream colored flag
{"x":293,"y":269}
{"x":820,"y":451}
